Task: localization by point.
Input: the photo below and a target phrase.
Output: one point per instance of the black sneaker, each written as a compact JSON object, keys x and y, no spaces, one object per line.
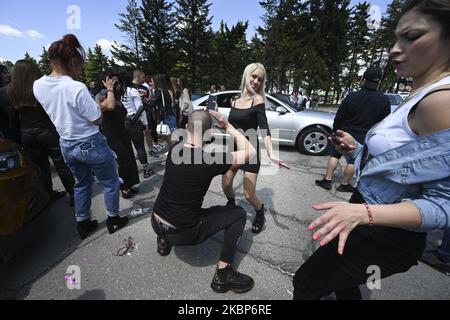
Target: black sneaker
{"x":345,"y":188}
{"x":229,"y":279}
{"x":163,"y":246}
{"x":55,"y":195}
{"x":85,"y":228}
{"x":326,"y":184}
{"x":433,"y":259}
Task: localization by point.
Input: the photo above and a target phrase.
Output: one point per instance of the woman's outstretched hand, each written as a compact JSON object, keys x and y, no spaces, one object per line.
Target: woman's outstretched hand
{"x":279,"y":162}
{"x":339,"y":220}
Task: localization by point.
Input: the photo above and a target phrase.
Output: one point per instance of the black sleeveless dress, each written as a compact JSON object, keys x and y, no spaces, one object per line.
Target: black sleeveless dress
{"x":248,"y":120}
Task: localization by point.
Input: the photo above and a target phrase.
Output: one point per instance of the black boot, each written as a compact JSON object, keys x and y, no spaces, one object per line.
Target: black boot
{"x":229,"y":279}
{"x":116,"y":223}
{"x":55,"y":195}
{"x":85,"y":228}
{"x":258,"y":222}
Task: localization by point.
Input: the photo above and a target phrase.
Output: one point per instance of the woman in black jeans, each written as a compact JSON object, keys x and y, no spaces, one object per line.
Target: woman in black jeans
{"x":38,"y":134}
{"x":113,"y":128}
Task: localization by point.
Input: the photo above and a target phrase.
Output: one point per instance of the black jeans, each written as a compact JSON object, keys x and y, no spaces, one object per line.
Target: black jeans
{"x":136,"y":132}
{"x":393,"y":250}
{"x":212,"y":220}
{"x":38,"y":145}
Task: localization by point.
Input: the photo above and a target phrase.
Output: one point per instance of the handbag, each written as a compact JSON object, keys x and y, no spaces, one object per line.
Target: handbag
{"x":162,"y":128}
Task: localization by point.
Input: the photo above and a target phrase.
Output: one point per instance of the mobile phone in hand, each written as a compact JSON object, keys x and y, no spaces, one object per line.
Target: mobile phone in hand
{"x":333,"y":136}
{"x":212,"y":102}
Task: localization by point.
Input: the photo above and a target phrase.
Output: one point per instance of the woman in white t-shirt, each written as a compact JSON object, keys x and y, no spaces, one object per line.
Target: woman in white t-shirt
{"x":77,"y":117}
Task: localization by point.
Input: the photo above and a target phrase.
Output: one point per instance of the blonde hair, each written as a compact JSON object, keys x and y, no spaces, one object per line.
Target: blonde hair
{"x":245,"y":84}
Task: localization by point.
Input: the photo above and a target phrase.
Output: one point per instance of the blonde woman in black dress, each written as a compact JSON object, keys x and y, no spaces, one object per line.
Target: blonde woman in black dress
{"x":248,"y":113}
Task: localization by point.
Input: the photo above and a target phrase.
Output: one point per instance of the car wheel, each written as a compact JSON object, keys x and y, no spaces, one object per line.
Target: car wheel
{"x":312,"y":142}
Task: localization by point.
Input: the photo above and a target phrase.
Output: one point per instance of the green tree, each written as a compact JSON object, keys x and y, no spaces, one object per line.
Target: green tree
{"x":229,"y":55}
{"x":44,"y":62}
{"x":8,"y":64}
{"x":194,"y":37}
{"x":130,"y":53}
{"x":358,"y":44}
{"x":30,"y":58}
{"x":96,"y":64}
{"x":157,"y":35}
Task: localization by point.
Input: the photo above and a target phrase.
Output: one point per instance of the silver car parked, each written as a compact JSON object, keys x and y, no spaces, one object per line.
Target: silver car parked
{"x":294,"y":126}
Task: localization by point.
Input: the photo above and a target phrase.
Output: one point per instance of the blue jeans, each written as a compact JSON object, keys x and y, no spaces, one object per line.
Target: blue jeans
{"x":84,"y":158}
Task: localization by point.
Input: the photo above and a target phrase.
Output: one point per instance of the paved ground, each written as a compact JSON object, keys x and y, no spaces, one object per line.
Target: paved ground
{"x":270,"y":257}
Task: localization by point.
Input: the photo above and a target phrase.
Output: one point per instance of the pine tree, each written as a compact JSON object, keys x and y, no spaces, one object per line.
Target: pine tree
{"x":27,"y":57}
{"x":44,"y":62}
{"x":194,"y":36}
{"x":157,"y":35}
{"x":96,"y":64}
{"x":129,"y":53}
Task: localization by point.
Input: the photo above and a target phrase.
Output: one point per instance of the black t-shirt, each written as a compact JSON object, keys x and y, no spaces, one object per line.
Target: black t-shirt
{"x":189,"y":172}
{"x":361,"y":110}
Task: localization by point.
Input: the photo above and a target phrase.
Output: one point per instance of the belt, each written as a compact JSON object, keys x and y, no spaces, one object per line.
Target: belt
{"x":162,"y":224}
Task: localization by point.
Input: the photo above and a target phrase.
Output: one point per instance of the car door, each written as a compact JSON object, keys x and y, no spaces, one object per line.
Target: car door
{"x":281,"y":125}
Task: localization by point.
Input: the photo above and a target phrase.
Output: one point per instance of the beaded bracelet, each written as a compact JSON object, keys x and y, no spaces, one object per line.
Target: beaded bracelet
{"x":369,"y":212}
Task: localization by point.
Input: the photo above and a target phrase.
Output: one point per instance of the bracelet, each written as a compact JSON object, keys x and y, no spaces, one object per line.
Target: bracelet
{"x":369,"y":212}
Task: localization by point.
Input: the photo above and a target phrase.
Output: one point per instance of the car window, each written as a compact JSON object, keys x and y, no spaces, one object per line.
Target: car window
{"x":395,"y":99}
{"x":271,"y":104}
{"x":226,"y":100}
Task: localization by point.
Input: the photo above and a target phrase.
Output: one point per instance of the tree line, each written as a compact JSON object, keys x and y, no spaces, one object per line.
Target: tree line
{"x":313,"y":46}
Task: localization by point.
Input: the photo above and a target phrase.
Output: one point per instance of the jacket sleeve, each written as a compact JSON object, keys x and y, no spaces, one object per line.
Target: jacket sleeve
{"x":434,"y":205}
{"x":340,"y":115}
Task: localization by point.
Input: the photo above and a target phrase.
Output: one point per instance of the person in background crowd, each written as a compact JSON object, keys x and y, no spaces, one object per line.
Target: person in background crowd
{"x":358,"y":113}
{"x":38,"y":134}
{"x":132,"y":101}
{"x":77,"y":118}
{"x":113,"y":127}
{"x":9,"y":125}
{"x":186,"y":107}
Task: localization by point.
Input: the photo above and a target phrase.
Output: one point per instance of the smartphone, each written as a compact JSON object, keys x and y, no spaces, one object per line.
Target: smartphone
{"x":332,"y":135}
{"x":212,"y":102}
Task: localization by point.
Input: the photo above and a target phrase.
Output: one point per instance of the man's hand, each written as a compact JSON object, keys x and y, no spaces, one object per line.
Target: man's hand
{"x":279,"y":162}
{"x":347,"y":138}
{"x":221,"y":121}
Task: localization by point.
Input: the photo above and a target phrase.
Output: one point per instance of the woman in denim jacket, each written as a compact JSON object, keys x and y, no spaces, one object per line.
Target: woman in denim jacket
{"x":403,"y":171}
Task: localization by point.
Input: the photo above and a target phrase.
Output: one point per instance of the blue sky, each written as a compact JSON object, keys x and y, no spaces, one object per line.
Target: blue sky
{"x":27,"y":25}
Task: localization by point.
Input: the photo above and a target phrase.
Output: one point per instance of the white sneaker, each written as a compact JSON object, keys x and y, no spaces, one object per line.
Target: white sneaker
{"x":139,"y":212}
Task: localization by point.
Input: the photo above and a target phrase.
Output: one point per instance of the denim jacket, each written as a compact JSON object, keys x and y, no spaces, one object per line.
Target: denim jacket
{"x":418,"y":172}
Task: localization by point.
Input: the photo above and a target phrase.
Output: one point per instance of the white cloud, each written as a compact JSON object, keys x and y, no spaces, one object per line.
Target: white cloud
{"x":33,"y":34}
{"x":105,"y":44}
{"x":10,"y":31}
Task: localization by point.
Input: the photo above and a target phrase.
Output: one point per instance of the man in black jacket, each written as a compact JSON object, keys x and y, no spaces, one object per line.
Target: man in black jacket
{"x":358,"y":113}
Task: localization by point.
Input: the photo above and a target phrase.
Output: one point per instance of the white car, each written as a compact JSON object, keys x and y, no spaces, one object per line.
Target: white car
{"x":294,"y":126}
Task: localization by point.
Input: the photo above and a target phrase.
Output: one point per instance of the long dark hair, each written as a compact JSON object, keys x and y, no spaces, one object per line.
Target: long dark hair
{"x":20,"y":89}
{"x":162,"y":82}
{"x":439,"y":10}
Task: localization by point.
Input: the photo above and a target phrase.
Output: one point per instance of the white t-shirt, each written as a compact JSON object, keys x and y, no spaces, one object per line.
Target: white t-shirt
{"x":69,"y":105}
{"x":132,"y":101}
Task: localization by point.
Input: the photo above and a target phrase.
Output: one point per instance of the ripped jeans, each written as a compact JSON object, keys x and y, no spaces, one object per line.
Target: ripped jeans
{"x":88,"y":157}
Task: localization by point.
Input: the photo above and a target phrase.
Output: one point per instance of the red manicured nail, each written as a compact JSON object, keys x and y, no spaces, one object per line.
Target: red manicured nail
{"x":316,"y":237}
{"x":311,"y":228}
{"x":322,"y":243}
